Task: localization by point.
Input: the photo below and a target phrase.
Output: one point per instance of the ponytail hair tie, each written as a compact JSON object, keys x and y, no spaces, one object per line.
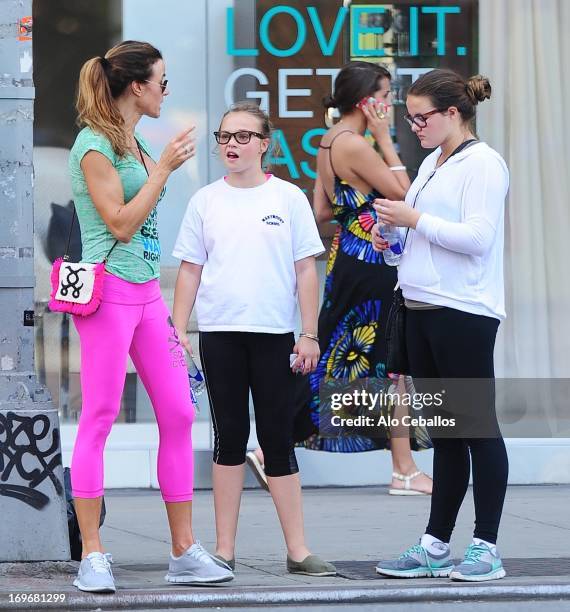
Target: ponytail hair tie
{"x":329,"y":101}
{"x":104,"y":62}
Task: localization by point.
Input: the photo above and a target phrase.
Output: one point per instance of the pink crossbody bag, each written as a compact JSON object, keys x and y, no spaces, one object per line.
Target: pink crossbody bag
{"x":77,"y":288}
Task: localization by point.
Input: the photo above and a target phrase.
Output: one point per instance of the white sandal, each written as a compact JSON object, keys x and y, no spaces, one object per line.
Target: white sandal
{"x":407,"y":490}
{"x":258,"y":469}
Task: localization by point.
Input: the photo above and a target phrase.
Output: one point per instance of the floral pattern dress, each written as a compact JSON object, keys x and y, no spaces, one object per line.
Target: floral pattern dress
{"x":358,"y":293}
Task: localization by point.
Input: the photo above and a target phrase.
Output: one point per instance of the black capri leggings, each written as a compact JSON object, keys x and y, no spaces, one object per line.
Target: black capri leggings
{"x":449,"y":343}
{"x":234,"y":363}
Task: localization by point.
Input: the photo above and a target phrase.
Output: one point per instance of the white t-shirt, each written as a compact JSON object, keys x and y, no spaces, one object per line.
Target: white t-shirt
{"x":454,"y":257}
{"x":248,"y":240}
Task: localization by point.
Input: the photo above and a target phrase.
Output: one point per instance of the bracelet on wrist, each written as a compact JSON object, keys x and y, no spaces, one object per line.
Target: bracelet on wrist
{"x":397,"y":168}
{"x":311,"y":336}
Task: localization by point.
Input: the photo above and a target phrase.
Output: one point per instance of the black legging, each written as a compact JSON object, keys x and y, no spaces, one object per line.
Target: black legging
{"x":449,"y":343}
{"x":234,"y":363}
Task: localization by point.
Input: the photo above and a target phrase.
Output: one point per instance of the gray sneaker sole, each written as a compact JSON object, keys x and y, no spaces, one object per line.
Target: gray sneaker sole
{"x":93,"y":589}
{"x":496,"y":575}
{"x":189,"y":579}
{"x":443,"y":572}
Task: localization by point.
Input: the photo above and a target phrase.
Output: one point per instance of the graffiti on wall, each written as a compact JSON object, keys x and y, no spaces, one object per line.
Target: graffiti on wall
{"x":29,"y":447}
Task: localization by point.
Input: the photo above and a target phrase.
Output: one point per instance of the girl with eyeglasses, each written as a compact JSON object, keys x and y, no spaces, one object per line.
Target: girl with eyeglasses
{"x":117,"y":188}
{"x":248,"y":244}
{"x":451,"y":276}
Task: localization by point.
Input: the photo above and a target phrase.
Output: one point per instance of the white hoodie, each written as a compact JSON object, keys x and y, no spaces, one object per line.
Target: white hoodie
{"x":454,"y":257}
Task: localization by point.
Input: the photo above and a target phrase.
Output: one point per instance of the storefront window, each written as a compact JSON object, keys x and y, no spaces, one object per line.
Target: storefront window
{"x":66,"y":33}
{"x":283,"y":55}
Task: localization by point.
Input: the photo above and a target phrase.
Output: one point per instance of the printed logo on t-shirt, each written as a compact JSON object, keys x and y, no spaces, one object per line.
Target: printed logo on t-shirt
{"x":273,"y":220}
{"x":151,"y":244}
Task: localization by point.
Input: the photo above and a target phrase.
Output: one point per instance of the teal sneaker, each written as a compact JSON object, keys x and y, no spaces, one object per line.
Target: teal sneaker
{"x":479,"y":564}
{"x":419,"y":562}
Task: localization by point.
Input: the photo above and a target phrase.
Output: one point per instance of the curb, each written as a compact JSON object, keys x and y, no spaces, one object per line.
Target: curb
{"x":294,"y":595}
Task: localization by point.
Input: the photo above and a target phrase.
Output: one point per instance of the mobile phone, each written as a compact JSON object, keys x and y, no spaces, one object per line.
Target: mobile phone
{"x":381,"y":108}
{"x":292,"y":359}
{"x":365,"y":101}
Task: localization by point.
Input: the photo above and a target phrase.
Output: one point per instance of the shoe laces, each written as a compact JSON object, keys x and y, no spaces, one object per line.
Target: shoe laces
{"x":101,"y":563}
{"x":417,"y":549}
{"x":474,"y":552}
{"x":199,"y":553}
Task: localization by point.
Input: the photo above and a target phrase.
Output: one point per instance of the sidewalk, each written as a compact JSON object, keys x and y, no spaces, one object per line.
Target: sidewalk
{"x":353,"y":527}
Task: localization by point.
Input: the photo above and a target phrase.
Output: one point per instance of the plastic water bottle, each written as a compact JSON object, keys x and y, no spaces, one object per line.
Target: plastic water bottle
{"x":393,"y":253}
{"x":197,"y":382}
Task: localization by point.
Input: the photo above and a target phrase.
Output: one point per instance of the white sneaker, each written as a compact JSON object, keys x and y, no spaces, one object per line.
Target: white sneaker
{"x":196,"y":566}
{"x":95,"y":575}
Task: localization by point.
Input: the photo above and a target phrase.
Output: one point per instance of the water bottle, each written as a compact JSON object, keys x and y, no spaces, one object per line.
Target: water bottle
{"x":393,"y":253}
{"x":197,"y":382}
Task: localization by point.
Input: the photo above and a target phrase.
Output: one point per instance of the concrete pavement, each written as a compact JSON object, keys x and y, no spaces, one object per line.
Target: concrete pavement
{"x":353,"y":527}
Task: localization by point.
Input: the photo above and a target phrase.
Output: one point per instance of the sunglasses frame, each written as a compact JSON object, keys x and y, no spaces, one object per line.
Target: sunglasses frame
{"x":162,"y":84}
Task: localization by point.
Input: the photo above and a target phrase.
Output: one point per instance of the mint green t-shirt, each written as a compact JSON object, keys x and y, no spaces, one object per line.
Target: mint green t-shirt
{"x":137,"y":261}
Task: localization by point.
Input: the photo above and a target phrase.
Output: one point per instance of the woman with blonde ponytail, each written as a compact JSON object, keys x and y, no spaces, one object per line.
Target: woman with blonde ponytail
{"x":117,"y":186}
{"x":95,"y":106}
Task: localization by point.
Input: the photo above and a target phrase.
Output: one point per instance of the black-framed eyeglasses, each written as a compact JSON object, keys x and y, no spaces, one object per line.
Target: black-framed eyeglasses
{"x":162,"y":84}
{"x":241,"y":136}
{"x":420,"y":120}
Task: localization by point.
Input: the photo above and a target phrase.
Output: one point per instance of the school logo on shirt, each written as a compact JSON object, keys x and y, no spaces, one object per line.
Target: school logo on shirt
{"x":273,"y":220}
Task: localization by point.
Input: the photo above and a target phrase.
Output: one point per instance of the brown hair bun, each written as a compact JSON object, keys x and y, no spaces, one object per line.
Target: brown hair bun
{"x":478,"y":88}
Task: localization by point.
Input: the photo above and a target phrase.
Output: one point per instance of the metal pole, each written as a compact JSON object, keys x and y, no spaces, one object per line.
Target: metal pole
{"x":33,"y":523}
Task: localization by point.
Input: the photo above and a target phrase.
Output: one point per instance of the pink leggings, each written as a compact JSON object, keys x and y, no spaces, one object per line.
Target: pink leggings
{"x":133,"y":320}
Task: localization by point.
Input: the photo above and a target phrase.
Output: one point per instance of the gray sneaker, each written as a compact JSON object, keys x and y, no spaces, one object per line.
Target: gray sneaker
{"x":95,"y":575}
{"x":480,"y":563}
{"x":196,"y":566}
{"x":419,"y":562}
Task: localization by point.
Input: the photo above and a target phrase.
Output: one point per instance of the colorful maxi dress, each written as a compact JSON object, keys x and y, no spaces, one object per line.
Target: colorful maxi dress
{"x":357,"y":296}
